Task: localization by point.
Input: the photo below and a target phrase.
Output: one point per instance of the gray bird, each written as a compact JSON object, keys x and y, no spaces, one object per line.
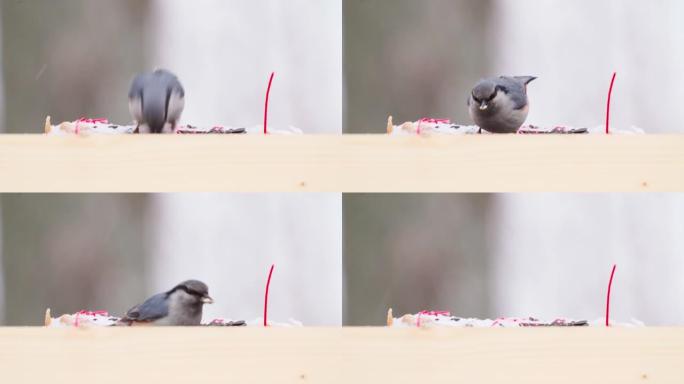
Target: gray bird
{"x":180,"y":306}
{"x":156,"y":101}
{"x":500,"y":105}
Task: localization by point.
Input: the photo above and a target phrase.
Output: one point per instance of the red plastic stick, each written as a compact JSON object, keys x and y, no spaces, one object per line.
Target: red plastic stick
{"x":268,"y":94}
{"x":268,"y":284}
{"x":610,"y":285}
{"x":610,"y":95}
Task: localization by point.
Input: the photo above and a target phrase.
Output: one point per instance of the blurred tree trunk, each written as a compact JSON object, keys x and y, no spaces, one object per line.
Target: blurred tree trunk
{"x":71,"y":252}
{"x":411,"y":59}
{"x":413,"y":253}
{"x":70,"y":58}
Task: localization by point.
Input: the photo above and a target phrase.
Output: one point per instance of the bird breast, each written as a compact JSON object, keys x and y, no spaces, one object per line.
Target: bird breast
{"x":184,"y":309}
{"x":501,"y":116}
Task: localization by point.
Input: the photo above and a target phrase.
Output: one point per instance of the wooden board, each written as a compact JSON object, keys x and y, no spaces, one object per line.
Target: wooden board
{"x":342,"y":163}
{"x":342,"y":355}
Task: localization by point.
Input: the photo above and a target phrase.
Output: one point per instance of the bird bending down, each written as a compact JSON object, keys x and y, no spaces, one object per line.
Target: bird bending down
{"x":156,"y":101}
{"x":181,"y":306}
{"x":500,"y":104}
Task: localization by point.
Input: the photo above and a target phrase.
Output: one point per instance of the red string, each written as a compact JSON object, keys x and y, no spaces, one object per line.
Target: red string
{"x":92,"y":121}
{"x":88,"y":313}
{"x":93,"y":313}
{"x":268,"y":285}
{"x":431,"y":121}
{"x":436,"y":313}
{"x":431,"y":313}
{"x":77,"y":129}
{"x":610,"y":95}
{"x":610,"y":285}
{"x":268,"y":94}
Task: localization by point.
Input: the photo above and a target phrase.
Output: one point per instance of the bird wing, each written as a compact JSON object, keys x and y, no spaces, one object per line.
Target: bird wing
{"x":176,"y":104}
{"x":515,"y":90}
{"x":175,"y":101}
{"x":137,"y":85}
{"x":135,"y":108}
{"x":135,"y":97}
{"x":154,"y":308}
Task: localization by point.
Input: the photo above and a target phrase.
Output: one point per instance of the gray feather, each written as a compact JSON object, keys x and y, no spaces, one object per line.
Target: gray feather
{"x":154,"y":308}
{"x":500,"y":104}
{"x":156,"y":100}
{"x":181,"y":306}
{"x":516,"y":88}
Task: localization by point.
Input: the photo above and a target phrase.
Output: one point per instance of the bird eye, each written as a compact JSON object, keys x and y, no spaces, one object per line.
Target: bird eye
{"x":475,"y":98}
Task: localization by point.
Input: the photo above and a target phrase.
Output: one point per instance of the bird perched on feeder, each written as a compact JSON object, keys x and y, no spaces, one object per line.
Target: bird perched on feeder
{"x":156,"y":101}
{"x":180,"y":306}
{"x":500,"y":104}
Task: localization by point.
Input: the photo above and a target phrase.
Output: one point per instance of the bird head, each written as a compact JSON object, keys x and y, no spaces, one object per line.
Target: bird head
{"x":483,"y":94}
{"x":196,"y":289}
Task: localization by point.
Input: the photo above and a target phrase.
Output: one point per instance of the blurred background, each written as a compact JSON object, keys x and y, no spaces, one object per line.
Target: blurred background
{"x":546,"y":255}
{"x":74,"y":58}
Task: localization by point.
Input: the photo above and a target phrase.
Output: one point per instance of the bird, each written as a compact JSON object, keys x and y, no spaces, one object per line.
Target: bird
{"x":156,"y":101}
{"x":500,"y":104}
{"x":180,"y":306}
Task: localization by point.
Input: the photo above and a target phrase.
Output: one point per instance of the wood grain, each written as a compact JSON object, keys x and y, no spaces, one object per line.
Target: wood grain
{"x":342,"y":163}
{"x":342,"y":355}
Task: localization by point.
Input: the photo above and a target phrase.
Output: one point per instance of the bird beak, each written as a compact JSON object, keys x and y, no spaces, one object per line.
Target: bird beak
{"x":207,"y":300}
{"x":483,"y":106}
